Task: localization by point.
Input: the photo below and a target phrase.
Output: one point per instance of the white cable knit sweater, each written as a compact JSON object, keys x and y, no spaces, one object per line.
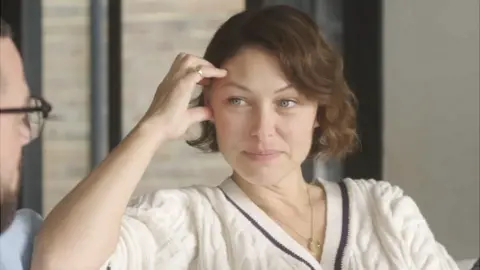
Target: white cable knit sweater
{"x":370,"y":225}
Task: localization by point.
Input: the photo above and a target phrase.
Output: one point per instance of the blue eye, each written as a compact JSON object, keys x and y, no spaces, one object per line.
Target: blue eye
{"x":286,"y":103}
{"x":235,"y":101}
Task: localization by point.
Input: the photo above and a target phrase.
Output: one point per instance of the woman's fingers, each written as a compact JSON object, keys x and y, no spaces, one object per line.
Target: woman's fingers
{"x":203,"y":74}
{"x":173,"y":96}
{"x":199,"y":114}
{"x":192,"y":70}
{"x":188,"y":61}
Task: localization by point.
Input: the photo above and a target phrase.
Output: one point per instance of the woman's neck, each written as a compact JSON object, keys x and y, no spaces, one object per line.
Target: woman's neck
{"x":290,"y":192}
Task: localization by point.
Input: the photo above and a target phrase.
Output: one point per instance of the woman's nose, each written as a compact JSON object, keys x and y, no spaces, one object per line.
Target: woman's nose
{"x":263,"y":124}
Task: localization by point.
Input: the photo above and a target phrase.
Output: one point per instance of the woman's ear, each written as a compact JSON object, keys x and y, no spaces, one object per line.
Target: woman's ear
{"x":316,"y":124}
{"x":206,"y":102}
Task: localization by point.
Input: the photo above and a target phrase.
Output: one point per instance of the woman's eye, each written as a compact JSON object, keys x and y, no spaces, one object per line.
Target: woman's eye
{"x":286,"y":103}
{"x":235,"y":101}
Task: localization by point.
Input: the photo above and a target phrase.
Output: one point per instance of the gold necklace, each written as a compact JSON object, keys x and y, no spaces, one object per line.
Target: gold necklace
{"x":313,"y":245}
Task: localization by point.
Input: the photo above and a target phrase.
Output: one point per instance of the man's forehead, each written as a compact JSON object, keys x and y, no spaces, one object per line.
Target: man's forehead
{"x":10,"y":61}
{"x":12,"y":78}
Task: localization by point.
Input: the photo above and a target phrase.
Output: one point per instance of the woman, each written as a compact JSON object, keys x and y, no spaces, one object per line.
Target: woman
{"x":273,"y":94}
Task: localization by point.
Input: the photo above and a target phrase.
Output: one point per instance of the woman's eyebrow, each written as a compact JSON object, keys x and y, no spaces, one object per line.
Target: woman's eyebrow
{"x":245,"y":88}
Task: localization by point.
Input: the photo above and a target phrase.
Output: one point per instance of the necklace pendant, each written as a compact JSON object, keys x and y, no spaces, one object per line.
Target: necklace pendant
{"x":314,"y":247}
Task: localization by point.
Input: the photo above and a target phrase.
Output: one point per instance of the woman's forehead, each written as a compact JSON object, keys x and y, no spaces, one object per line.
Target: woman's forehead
{"x":254,"y":69}
{"x":253,"y":59}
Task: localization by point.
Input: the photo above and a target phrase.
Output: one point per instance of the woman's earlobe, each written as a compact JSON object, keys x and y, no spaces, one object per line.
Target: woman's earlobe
{"x":206,"y":103}
{"x":206,"y":99}
{"x":212,"y":119}
{"x":316,"y":124}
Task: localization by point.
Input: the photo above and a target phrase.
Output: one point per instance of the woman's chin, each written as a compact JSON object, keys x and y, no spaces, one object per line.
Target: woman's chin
{"x":263,"y":176}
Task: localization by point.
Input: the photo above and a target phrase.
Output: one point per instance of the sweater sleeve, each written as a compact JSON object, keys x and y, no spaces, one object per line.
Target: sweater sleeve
{"x":412,"y":230}
{"x":157,"y":230}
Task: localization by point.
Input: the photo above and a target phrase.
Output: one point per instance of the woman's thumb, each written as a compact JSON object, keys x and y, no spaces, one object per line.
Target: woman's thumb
{"x":199,"y":114}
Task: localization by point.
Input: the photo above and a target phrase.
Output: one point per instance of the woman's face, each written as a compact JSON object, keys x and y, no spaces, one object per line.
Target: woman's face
{"x":264,"y":125}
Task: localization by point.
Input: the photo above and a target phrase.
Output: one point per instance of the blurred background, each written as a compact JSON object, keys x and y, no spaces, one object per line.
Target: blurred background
{"x":414,"y":66}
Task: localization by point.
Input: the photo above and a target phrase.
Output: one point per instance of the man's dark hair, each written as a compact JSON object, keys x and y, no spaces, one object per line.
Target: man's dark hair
{"x":5,"y":29}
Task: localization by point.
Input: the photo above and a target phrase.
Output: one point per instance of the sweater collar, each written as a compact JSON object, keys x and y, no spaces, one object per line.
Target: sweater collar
{"x":275,"y":234}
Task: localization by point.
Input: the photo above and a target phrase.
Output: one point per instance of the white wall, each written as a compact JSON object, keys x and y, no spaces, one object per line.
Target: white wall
{"x":431,"y":113}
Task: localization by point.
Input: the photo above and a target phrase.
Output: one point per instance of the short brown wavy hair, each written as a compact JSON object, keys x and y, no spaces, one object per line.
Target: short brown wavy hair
{"x":309,"y":63}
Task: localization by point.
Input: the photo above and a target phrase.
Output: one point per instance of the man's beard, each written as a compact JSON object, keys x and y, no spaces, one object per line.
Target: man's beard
{"x":7,"y":213}
{"x":9,"y":197}
{"x":8,"y":208}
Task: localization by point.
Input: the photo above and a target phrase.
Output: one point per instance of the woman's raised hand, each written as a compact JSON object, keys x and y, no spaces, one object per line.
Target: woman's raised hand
{"x":169,"y":111}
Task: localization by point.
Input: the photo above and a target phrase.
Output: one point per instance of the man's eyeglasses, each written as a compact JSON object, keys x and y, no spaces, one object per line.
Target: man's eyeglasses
{"x":35,"y":112}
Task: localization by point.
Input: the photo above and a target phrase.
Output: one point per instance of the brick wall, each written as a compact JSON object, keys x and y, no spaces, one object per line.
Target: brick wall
{"x":154,"y":32}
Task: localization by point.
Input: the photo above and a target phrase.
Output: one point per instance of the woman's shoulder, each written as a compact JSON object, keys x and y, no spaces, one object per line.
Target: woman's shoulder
{"x":387,"y":199}
{"x":395,"y":215}
{"x":376,"y":189}
{"x":175,"y":197}
{"x":170,"y":210}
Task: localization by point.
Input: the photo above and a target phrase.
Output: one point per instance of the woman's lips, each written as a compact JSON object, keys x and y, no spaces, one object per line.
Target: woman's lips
{"x":263,"y":155}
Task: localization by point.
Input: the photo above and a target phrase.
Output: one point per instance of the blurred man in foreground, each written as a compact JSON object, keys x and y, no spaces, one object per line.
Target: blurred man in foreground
{"x":21,"y":121}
